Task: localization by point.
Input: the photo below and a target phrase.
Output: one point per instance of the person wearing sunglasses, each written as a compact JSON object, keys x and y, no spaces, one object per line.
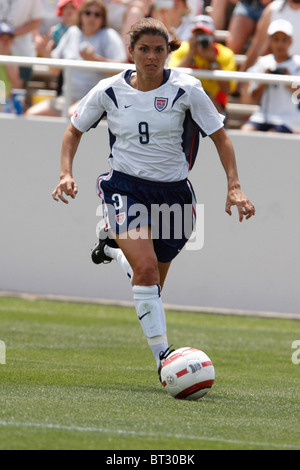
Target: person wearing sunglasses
{"x":90,"y":40}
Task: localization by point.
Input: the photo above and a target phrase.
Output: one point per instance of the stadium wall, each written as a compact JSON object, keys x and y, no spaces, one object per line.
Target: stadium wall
{"x":45,"y":246}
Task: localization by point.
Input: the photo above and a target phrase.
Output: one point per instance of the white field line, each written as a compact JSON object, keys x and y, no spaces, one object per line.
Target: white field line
{"x":125,"y":432}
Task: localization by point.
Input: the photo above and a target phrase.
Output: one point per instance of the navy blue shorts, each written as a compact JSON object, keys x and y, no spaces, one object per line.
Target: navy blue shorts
{"x":168,"y":208}
{"x":248,"y":10}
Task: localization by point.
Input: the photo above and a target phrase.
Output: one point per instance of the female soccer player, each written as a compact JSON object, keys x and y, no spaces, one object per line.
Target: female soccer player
{"x":154,"y":117}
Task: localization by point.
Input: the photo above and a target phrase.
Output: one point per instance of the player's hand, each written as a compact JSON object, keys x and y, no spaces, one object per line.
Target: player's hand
{"x":66,"y":186}
{"x":245,"y":208}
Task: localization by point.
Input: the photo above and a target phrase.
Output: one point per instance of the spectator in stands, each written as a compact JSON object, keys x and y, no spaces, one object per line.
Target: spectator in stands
{"x":91,"y":40}
{"x":49,"y":18}
{"x":202,"y":52}
{"x":121,"y":14}
{"x":176,"y":16}
{"x":67,"y":13}
{"x":240,"y":18}
{"x":25,"y":17}
{"x":221,"y":11}
{"x":288,"y":10}
{"x":278,"y":111}
{"x":243,"y":23}
{"x":9,"y":74}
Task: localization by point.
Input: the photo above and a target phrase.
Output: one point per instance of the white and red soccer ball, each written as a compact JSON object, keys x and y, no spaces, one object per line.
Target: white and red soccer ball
{"x":188,"y":373}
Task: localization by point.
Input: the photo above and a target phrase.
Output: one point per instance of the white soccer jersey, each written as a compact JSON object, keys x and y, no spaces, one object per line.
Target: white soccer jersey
{"x":155,"y":134}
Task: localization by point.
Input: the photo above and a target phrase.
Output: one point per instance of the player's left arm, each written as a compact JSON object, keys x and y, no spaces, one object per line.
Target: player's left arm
{"x":235,"y":196}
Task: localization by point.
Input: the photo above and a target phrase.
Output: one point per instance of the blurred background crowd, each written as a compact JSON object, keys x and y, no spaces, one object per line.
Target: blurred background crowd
{"x":260,"y":36}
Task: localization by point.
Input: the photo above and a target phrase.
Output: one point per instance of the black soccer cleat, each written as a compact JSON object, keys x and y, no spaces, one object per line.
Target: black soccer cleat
{"x":98,"y":255}
{"x":163,"y":356}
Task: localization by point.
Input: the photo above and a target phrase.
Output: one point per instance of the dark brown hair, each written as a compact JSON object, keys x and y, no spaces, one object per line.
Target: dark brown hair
{"x":154,"y":27}
{"x":91,"y":3}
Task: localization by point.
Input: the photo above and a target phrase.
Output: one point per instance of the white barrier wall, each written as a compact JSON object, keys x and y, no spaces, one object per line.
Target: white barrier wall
{"x":45,"y":246}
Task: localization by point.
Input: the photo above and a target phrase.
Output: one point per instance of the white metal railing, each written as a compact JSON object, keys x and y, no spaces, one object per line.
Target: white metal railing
{"x":109,"y":67}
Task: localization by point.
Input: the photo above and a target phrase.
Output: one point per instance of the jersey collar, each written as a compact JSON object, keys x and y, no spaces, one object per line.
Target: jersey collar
{"x":129,"y":73}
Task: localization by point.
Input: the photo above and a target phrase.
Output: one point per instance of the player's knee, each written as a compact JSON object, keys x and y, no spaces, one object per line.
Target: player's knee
{"x":146,"y":272}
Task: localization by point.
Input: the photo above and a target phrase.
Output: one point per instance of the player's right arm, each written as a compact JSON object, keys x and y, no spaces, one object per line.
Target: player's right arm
{"x":88,"y":114}
{"x":67,"y":185}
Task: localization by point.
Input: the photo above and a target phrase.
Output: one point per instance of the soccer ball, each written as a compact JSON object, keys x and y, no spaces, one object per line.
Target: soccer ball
{"x":188,"y":374}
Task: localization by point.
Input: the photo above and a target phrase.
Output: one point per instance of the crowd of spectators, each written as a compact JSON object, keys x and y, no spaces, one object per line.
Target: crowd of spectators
{"x":262,"y":34}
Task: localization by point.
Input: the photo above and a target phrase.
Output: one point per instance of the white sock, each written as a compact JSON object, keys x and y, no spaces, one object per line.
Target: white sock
{"x":111,"y":252}
{"x":145,"y":297}
{"x":157,"y":345}
{"x":118,"y":255}
{"x":152,"y":317}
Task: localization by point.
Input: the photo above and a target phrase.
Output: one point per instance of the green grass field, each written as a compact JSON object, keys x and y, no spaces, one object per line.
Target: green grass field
{"x":81,"y":376}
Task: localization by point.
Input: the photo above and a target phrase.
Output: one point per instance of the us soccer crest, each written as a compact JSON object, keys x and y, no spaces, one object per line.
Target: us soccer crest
{"x":121,"y":218}
{"x":160,"y":103}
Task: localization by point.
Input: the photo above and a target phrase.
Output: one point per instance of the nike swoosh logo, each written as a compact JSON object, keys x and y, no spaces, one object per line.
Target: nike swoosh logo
{"x":142,"y":316}
{"x":128,"y":105}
